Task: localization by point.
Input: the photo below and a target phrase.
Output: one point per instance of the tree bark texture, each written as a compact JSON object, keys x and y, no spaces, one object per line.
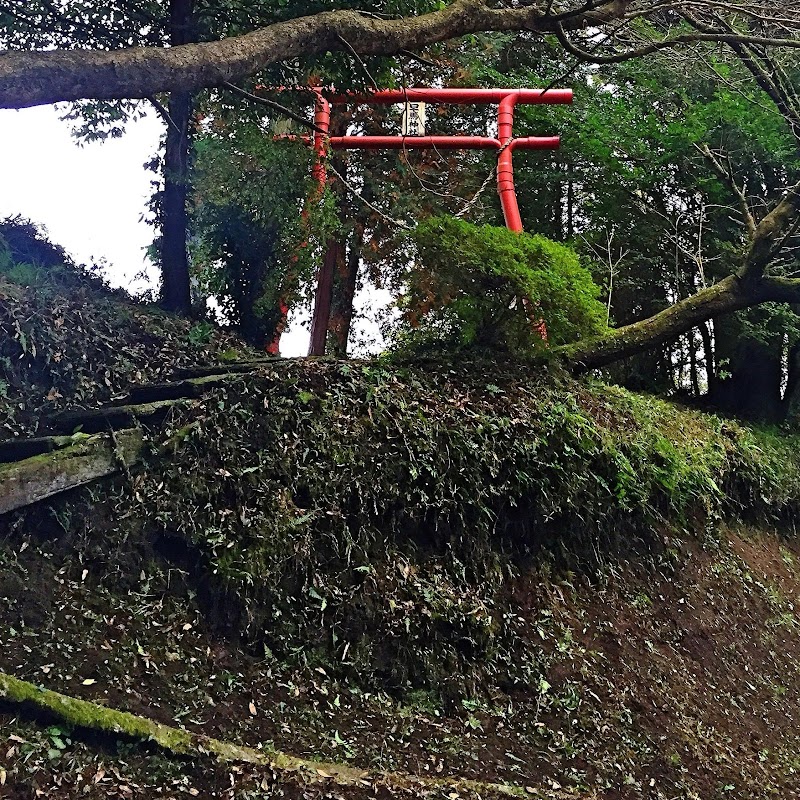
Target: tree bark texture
{"x":322,"y":302}
{"x":89,"y":458}
{"x":31,"y":79}
{"x":791,"y":398}
{"x":708,"y":355}
{"x":175,"y":285}
{"x":749,"y":384}
{"x":730,"y":294}
{"x":335,"y":248}
{"x":345,"y":281}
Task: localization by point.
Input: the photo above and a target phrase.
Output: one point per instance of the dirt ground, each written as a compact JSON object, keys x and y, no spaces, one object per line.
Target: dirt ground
{"x":670,"y":680}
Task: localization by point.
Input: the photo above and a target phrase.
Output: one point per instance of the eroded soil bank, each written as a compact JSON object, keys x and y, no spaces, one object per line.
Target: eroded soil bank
{"x":677,"y":679}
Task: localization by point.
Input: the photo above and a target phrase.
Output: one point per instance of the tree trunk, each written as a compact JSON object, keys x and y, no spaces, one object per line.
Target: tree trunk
{"x":749,"y":385}
{"x":791,"y":400}
{"x":176,"y":291}
{"x":753,"y":390}
{"x":344,"y":292}
{"x":334,"y":252}
{"x":335,"y":248}
{"x":175,"y":285}
{"x":559,"y":221}
{"x":708,"y":350}
{"x":570,"y":202}
{"x":693,"y":374}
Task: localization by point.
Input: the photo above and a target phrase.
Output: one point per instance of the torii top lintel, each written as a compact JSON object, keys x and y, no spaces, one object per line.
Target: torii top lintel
{"x":456,"y":96}
{"x":505,"y":143}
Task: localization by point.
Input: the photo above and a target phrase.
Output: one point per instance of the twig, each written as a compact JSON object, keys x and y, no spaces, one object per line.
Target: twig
{"x":726,"y":175}
{"x":399,"y":223}
{"x":360,"y":60}
{"x":166,"y":116}
{"x":420,"y":59}
{"x":793,"y":229}
{"x":281,"y":109}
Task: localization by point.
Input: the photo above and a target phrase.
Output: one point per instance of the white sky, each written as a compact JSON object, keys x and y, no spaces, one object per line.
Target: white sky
{"x":91,"y":198}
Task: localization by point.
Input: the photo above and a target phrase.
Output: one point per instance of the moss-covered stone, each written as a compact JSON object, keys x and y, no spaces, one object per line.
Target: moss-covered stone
{"x":81,"y":459}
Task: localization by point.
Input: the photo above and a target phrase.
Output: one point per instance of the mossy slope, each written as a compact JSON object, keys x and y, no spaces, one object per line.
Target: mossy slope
{"x":375,"y":518}
{"x":537,"y":569}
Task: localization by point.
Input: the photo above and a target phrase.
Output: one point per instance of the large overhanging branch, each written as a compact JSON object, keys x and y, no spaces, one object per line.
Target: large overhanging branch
{"x":748,"y":286}
{"x":42,"y":77}
{"x":29,"y":79}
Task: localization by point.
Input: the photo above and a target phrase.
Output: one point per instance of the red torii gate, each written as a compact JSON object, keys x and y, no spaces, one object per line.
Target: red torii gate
{"x":505,"y":144}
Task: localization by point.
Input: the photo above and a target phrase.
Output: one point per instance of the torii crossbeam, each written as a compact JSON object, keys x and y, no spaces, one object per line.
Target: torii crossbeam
{"x":505,"y":143}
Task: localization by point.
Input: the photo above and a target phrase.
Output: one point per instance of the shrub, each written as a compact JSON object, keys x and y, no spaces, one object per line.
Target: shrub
{"x":29,"y":258}
{"x":25,"y":243}
{"x":488,"y":287}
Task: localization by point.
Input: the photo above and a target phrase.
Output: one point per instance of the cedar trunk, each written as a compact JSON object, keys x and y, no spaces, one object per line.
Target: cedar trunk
{"x":344,"y":292}
{"x":176,"y":292}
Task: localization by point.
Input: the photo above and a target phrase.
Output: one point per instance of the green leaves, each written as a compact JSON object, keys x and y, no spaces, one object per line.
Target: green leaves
{"x":490,"y":287}
{"x":246,"y":223}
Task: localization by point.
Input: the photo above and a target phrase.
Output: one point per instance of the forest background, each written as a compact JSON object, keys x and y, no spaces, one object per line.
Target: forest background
{"x":676,"y":174}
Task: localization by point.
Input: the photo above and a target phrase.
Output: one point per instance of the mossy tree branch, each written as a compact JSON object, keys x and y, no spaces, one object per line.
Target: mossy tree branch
{"x":29,"y":79}
{"x":733,"y":293}
{"x":85,"y":715}
{"x":748,"y":286}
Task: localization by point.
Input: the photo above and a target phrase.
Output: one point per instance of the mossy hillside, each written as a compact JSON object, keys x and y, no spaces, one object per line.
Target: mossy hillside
{"x":378,"y":520}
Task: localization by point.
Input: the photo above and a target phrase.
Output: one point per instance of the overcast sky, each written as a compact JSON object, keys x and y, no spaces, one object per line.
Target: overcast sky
{"x":91,"y":198}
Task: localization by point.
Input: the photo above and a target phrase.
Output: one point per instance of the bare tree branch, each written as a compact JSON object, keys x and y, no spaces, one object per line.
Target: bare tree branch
{"x":726,"y":175}
{"x":163,"y":113}
{"x":272,"y":105}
